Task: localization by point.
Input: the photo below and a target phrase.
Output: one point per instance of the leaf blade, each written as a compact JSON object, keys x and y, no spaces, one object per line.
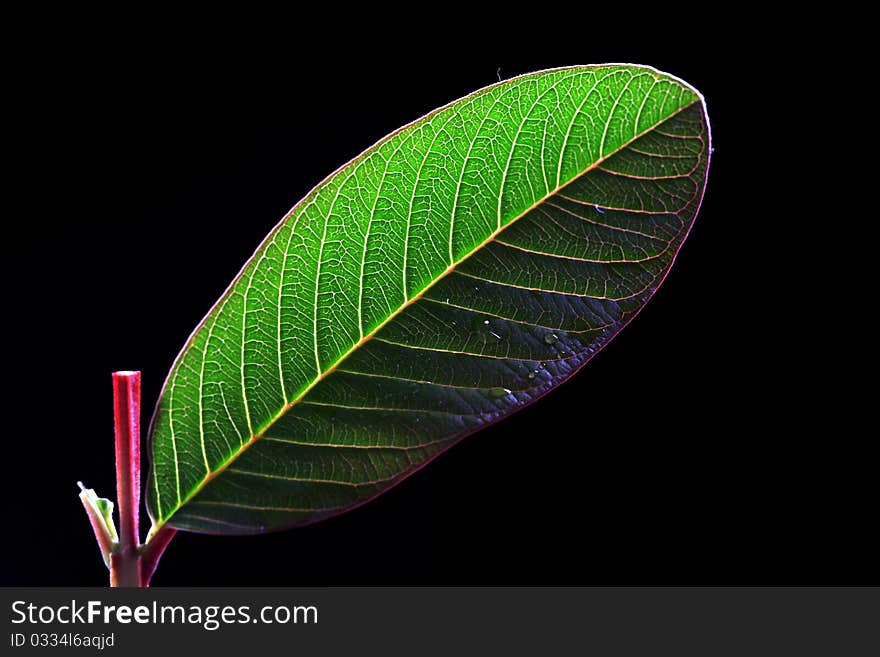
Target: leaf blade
{"x":583,"y":268}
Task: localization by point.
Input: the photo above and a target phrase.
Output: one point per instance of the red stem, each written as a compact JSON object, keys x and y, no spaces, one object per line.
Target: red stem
{"x":127,"y":413}
{"x":125,"y":562}
{"x":131,"y":564}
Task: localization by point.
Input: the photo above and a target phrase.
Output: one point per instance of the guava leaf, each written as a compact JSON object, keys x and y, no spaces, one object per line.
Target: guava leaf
{"x":454,"y":272}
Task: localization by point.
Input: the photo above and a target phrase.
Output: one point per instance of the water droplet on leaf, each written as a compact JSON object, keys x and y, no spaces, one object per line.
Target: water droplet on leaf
{"x":550,"y":338}
{"x":497,"y":393}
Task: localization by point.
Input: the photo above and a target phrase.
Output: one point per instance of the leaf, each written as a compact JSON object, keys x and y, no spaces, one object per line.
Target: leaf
{"x":446,"y":277}
{"x":100,"y":512}
{"x":103,"y":509}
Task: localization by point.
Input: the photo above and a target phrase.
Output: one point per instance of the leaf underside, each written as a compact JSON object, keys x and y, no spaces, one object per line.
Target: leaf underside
{"x":449,"y":275}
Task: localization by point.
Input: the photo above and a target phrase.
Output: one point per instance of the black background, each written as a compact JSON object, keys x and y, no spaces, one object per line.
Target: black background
{"x":698,"y":448}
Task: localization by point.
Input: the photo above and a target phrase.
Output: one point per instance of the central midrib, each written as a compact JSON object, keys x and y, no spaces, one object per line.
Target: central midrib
{"x":324,"y":374}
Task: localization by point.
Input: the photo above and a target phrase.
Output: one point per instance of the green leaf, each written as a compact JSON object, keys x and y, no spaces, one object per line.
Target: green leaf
{"x":100,"y":510}
{"x":446,"y":277}
{"x":103,"y":509}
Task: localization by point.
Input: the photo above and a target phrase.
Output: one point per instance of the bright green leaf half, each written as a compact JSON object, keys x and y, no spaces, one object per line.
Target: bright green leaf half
{"x":449,"y":275}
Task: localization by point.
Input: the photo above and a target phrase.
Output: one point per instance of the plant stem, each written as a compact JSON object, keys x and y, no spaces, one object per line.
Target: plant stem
{"x":125,"y":571}
{"x":131,"y":564}
{"x":125,"y":561}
